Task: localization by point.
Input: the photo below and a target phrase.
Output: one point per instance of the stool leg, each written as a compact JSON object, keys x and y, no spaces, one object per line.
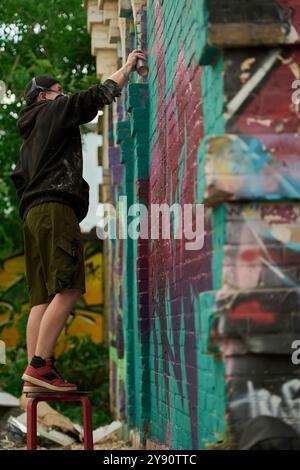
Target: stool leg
{"x":31,"y":424}
{"x":87,"y":424}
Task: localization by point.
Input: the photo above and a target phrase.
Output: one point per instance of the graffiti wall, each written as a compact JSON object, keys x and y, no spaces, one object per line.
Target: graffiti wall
{"x":244,"y":148}
{"x":201,"y":339}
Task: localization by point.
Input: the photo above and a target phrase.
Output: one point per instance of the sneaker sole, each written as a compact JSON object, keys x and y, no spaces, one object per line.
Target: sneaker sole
{"x":47,"y":386}
{"x":34,"y":388}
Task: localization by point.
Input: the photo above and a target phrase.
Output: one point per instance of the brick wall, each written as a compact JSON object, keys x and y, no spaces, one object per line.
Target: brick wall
{"x":206,"y":335}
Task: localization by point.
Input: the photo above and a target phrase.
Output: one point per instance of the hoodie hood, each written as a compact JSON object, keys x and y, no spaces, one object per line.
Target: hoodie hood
{"x":27,"y":118}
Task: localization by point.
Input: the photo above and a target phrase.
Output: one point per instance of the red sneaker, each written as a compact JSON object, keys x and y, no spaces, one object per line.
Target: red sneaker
{"x":50,"y":362}
{"x":47,"y":377}
{"x":29,"y":387}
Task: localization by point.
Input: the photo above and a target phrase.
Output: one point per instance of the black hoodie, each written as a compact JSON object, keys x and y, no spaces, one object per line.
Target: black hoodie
{"x":50,"y":163}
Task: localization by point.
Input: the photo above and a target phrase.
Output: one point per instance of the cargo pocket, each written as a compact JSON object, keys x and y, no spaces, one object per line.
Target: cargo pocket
{"x":69,"y":254}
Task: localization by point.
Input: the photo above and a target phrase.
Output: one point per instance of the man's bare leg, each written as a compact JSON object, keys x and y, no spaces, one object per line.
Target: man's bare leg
{"x":33,"y":327}
{"x":54,"y":320}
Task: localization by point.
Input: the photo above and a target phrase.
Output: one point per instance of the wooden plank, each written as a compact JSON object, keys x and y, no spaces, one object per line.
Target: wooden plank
{"x":244,"y":23}
{"x":245,"y":35}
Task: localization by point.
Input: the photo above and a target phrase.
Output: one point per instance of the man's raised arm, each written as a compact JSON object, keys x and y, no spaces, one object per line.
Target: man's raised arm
{"x":121,"y":76}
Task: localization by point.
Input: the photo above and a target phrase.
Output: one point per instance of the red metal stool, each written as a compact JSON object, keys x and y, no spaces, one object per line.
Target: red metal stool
{"x":36,"y":397}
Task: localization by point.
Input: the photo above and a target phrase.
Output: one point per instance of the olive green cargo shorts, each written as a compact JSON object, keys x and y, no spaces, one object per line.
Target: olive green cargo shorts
{"x":54,"y":255}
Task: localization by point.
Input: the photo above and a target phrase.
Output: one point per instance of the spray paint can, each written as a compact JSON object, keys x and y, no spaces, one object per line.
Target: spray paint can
{"x":142,"y":67}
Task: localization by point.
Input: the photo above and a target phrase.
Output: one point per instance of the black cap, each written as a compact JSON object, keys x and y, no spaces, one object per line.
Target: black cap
{"x":36,"y":85}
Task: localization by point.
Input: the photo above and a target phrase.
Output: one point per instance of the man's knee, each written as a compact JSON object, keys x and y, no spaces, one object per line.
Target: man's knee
{"x":72,"y":294}
{"x":38,"y":308}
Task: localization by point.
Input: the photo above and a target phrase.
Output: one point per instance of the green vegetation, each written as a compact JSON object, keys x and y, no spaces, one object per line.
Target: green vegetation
{"x":48,"y":37}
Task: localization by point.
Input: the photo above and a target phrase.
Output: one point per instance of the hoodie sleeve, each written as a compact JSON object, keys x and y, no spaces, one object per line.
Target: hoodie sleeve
{"x":18,"y":179}
{"x":80,"y":108}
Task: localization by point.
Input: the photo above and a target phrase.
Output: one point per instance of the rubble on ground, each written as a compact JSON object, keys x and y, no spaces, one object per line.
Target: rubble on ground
{"x":54,"y":430}
{"x":8,"y":400}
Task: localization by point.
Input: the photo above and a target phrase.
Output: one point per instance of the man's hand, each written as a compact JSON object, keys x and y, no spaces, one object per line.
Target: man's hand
{"x":132,"y":59}
{"x":121,"y":76}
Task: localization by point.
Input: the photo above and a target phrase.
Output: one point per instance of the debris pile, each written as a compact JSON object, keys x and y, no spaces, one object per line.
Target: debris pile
{"x":53,"y":429}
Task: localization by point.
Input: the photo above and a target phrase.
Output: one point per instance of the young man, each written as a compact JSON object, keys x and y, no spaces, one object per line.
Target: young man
{"x":54,"y":198}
